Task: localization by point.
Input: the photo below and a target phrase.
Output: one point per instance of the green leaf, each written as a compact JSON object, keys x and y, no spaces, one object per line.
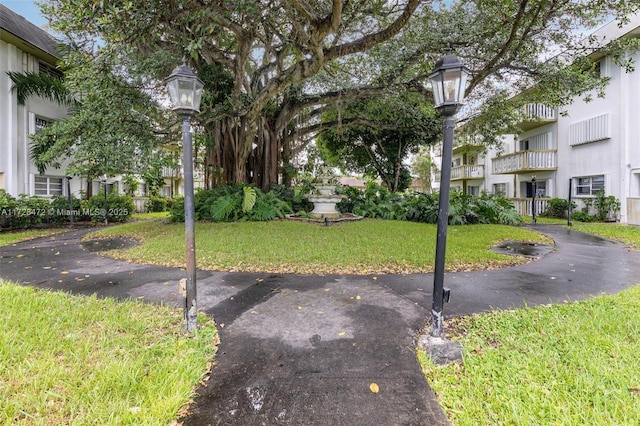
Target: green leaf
{"x":249,"y":199}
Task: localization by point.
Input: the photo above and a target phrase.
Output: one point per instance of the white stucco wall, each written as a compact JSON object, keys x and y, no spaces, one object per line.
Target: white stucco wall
{"x":17,"y":122}
{"x":616,"y":157}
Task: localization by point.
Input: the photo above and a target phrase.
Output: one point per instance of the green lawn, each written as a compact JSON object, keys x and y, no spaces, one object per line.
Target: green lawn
{"x":569,"y":364}
{"x":81,"y":360}
{"x":368,"y":246}
{"x":626,"y":234}
{"x":11,"y":237}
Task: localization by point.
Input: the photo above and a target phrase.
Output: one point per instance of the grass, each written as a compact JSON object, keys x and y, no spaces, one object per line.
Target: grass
{"x":571,"y":364}
{"x":568,"y":364}
{"x":627,"y":234}
{"x":363,"y":247}
{"x":12,"y":237}
{"x":150,"y":216}
{"x":546,"y":220}
{"x":81,"y":360}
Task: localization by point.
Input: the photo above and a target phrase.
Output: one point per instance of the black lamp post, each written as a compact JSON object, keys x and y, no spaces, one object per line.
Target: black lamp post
{"x":185,"y":90}
{"x":448,"y":81}
{"x":534,"y":189}
{"x":70,"y":200}
{"x":106,"y":202}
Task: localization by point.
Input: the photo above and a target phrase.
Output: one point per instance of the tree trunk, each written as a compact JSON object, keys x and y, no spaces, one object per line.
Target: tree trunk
{"x":231,"y":159}
{"x":89,"y":192}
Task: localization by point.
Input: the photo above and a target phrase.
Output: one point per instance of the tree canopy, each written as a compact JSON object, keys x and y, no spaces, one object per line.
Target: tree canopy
{"x":274,"y":68}
{"x":374,"y":136}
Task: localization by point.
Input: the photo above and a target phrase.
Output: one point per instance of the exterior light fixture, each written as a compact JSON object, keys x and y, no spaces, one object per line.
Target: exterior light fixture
{"x":185,"y":90}
{"x":449,"y":82}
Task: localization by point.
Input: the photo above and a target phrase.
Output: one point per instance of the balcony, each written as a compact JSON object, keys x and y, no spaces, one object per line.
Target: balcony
{"x":467,"y":172}
{"x":525,"y":162}
{"x":170,"y":172}
{"x":536,"y":115}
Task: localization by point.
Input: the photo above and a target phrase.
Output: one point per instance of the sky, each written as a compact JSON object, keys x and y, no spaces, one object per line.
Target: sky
{"x":28,"y":9}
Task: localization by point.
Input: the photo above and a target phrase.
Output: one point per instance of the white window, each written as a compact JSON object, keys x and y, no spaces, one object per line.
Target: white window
{"x":41,"y":123}
{"x":473,"y":190}
{"x":500,"y":188}
{"x":589,"y":185}
{"x":48,"y":186}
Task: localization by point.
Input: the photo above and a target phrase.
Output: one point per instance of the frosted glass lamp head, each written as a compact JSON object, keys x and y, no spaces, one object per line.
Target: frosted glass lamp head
{"x":449,"y":82}
{"x":185,"y":90}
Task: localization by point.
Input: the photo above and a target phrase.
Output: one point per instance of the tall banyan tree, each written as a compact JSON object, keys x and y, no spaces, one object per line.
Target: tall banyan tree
{"x":272,"y":68}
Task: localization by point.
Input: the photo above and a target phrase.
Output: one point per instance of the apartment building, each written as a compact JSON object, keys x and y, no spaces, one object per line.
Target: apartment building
{"x":25,"y":47}
{"x":590,"y":146}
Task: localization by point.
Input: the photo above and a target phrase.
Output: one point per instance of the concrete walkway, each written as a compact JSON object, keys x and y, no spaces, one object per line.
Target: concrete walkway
{"x":303,"y":350}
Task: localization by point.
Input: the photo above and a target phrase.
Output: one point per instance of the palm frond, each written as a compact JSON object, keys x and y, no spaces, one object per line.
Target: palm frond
{"x":45,"y":86}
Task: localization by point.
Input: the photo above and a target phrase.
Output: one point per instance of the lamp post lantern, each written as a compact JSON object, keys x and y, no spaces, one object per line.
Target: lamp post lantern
{"x":448,"y":81}
{"x":185,"y":90}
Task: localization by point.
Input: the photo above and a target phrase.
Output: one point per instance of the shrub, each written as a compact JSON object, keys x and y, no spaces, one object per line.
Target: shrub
{"x":355,"y":197}
{"x":605,"y":208}
{"x":558,"y":208}
{"x":461,"y":209}
{"x":176,"y":212}
{"x":7,"y":208}
{"x":156,"y":204}
{"x":233,"y":203}
{"x":422,"y":207}
{"x":582,"y":216}
{"x":268,"y":207}
{"x":60,"y":209}
{"x":295,"y":197}
{"x":226,"y":208}
{"x":375,"y":201}
{"x":29,"y":211}
{"x":119,"y":208}
{"x":495,"y":209}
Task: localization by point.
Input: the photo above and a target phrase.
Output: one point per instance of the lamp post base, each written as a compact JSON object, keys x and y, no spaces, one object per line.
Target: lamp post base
{"x":441,"y":351}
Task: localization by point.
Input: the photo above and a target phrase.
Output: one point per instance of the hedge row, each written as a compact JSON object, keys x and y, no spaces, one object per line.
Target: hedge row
{"x":27,"y":212}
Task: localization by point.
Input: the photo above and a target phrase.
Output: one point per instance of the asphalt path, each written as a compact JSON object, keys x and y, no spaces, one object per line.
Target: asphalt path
{"x":304,"y":349}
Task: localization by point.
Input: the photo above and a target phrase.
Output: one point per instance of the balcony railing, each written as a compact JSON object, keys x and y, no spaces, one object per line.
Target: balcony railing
{"x":467,"y":172}
{"x":523,"y":205}
{"x":525,"y":161}
{"x":536,"y":115}
{"x":170,"y":172}
{"x":539,"y":112}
